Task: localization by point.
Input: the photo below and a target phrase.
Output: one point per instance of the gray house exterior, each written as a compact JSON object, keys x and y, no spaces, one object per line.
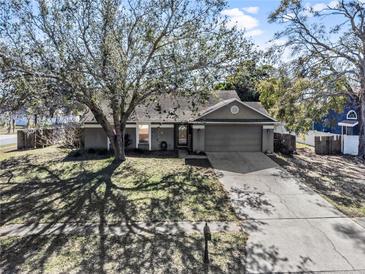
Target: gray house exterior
{"x":223,"y":123}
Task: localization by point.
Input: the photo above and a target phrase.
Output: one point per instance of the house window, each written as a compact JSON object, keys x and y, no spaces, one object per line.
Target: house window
{"x":235,"y":109}
{"x":143,"y":134}
{"x":351,"y":115}
{"x":183,"y":135}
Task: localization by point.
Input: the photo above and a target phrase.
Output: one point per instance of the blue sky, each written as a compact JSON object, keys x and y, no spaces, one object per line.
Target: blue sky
{"x":252,"y":15}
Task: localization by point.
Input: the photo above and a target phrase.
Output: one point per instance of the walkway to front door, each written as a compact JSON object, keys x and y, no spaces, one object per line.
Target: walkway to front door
{"x":291,"y":228}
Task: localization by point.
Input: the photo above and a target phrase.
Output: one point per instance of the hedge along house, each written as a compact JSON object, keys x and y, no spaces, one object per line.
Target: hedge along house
{"x":223,"y":123}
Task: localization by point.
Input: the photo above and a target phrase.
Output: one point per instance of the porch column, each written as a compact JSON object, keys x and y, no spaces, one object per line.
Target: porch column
{"x":198,"y":138}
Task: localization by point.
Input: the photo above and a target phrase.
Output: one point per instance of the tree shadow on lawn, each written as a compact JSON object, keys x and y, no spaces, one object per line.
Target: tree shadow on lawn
{"x":331,"y":176}
{"x":92,"y":196}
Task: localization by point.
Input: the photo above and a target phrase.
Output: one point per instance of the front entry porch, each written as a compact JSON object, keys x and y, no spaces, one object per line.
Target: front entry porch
{"x":183,"y":137}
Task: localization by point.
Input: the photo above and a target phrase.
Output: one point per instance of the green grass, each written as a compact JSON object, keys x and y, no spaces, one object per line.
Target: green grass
{"x":130,"y":253}
{"x":45,"y":185}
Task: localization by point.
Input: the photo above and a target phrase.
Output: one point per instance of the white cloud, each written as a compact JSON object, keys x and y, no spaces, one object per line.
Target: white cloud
{"x":252,"y":10}
{"x":334,"y":4}
{"x":240,"y":19}
{"x":255,"y":32}
{"x":318,"y":7}
{"x":286,"y":54}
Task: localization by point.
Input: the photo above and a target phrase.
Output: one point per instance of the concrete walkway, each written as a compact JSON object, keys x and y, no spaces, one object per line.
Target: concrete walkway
{"x":291,"y":228}
{"x":8,"y":140}
{"x":120,"y":229}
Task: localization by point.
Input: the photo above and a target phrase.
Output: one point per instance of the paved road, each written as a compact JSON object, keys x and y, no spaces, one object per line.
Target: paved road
{"x":291,"y":228}
{"x":7,"y":139}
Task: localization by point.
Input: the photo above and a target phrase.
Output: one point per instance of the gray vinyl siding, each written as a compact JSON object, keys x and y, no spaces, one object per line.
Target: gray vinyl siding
{"x":233,"y":138}
{"x":95,"y":138}
{"x":225,"y":113}
{"x":159,"y":135}
{"x":143,"y":146}
{"x":132,"y":137}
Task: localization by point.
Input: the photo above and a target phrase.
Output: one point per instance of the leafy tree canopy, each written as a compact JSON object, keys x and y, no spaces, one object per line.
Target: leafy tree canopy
{"x":119,"y":53}
{"x":292,"y":101}
{"x":329,"y":56}
{"x":245,"y":78}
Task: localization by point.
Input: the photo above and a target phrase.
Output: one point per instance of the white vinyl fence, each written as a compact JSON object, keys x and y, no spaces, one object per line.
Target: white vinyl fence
{"x":350,"y":144}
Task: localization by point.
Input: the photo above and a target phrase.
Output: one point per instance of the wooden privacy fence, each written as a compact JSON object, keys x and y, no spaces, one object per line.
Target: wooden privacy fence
{"x":284,"y":143}
{"x":35,"y":138}
{"x":327,"y":145}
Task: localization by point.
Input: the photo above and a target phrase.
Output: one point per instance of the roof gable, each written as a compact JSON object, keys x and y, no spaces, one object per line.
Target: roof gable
{"x":247,"y":111}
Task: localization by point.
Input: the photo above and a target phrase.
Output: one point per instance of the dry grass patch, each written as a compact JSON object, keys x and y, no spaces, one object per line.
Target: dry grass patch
{"x":340,"y":179}
{"x":46,"y":185}
{"x":131,"y":253}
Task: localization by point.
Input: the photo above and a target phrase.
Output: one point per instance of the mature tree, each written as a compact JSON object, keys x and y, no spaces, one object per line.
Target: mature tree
{"x":37,"y":100}
{"x":285,"y":98}
{"x":245,"y":78}
{"x":328,"y":52}
{"x":120,"y":52}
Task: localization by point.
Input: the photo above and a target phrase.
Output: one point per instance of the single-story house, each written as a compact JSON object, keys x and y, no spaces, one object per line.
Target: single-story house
{"x":222,"y":123}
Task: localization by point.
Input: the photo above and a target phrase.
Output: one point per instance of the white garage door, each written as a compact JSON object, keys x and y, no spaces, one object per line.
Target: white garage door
{"x":233,"y":138}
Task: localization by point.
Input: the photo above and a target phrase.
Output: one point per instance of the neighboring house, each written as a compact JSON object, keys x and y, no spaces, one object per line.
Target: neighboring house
{"x":345,"y":122}
{"x":224,"y":123}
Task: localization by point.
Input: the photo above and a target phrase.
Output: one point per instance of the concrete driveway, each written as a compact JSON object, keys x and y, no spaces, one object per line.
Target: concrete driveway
{"x":291,"y":228}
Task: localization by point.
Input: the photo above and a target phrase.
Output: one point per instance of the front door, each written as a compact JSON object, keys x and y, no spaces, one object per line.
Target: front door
{"x":182,"y":135}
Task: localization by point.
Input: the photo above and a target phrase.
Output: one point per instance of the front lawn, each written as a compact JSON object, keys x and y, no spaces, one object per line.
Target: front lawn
{"x":50,"y":186}
{"x":46,"y":185}
{"x":340,"y":179}
{"x":130,"y":253}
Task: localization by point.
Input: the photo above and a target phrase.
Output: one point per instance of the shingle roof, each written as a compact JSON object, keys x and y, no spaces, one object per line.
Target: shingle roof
{"x":178,"y":109}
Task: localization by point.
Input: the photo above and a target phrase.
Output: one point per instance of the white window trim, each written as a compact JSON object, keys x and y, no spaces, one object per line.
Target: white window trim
{"x":235,"y":109}
{"x":99,"y":126}
{"x":162,"y":126}
{"x":198,"y":126}
{"x":350,"y":112}
{"x":108,"y":143}
{"x":137,"y":136}
{"x":268,"y":127}
{"x":149,"y":134}
{"x":149,"y":137}
{"x":91,"y":126}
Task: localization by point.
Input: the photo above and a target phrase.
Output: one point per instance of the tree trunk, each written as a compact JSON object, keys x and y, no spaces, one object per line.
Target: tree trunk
{"x":362,"y":122}
{"x":115,"y":133}
{"x":9,"y":126}
{"x":119,"y":145}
